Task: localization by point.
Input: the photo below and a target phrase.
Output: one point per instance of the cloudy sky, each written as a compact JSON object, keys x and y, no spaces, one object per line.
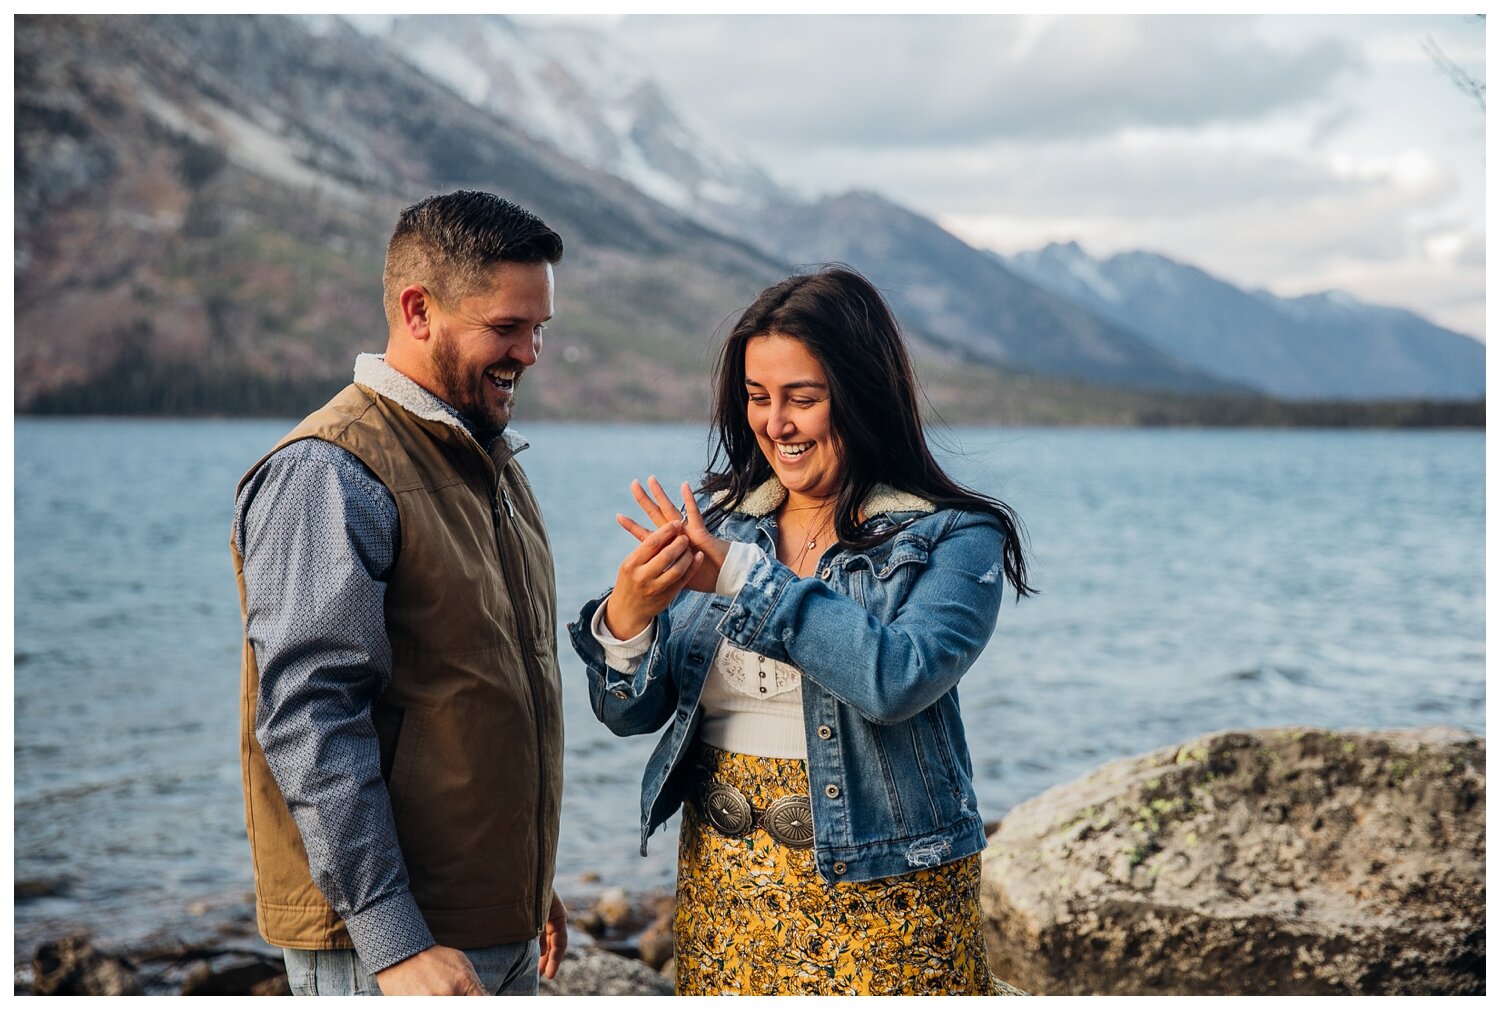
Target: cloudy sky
{"x":1292,"y":153}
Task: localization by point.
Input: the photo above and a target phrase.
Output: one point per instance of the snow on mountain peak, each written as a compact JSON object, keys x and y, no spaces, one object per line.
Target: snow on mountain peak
{"x":571,"y":87}
{"x":1082,"y":268}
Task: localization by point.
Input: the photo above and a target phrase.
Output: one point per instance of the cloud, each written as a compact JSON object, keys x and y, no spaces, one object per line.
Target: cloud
{"x":1293,"y":153}
{"x":1330,"y":124}
{"x":1354,"y":234}
{"x":1368,"y":218}
{"x":880,"y":82}
{"x":1447,"y":296}
{"x":1139,"y":175}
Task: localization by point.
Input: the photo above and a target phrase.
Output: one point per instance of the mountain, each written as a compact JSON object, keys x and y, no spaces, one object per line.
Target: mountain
{"x":968,"y":301}
{"x":1055,"y":312}
{"x":573,"y":87}
{"x":1386,"y":351}
{"x":202,"y":205}
{"x":1317,"y":346}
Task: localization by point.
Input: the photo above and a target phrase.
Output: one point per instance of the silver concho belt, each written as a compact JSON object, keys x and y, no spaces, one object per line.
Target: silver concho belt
{"x":788,"y":819}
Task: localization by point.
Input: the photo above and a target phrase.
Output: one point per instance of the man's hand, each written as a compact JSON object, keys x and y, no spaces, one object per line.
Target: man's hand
{"x":554,"y":939}
{"x":436,"y":971}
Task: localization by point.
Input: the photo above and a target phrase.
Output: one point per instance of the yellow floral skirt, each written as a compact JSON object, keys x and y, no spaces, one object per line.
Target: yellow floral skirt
{"x":754,"y":918}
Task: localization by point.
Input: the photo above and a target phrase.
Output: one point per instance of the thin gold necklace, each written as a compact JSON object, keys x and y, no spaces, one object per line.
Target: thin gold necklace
{"x":812,"y":541}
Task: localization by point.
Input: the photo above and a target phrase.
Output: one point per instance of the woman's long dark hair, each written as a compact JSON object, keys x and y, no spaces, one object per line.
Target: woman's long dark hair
{"x":843,"y":322}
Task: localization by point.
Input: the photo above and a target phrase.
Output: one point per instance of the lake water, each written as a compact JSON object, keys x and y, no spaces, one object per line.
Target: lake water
{"x":1191,"y":581}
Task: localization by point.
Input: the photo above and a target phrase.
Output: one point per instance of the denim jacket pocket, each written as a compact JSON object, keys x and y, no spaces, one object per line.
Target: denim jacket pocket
{"x":906,"y":549}
{"x":879,"y":581}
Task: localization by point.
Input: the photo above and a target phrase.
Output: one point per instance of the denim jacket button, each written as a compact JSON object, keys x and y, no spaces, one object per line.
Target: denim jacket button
{"x":824,"y":732}
{"x":825,"y":573}
{"x":840,"y":868}
{"x":831,"y":791}
{"x":620,"y":692}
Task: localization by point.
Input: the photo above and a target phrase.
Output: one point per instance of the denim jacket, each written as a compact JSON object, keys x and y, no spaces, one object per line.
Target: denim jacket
{"x":881,"y":636}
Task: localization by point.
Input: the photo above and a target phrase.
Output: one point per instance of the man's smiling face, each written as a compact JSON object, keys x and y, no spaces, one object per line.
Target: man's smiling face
{"x":481,"y":346}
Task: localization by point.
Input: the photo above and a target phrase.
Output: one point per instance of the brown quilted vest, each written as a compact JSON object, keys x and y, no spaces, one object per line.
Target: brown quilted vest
{"x":471,"y":726}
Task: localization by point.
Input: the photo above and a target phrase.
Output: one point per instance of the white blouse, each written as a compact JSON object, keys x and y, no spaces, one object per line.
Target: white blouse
{"x":750,"y":704}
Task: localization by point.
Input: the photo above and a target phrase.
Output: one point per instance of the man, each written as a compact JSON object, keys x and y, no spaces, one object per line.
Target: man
{"x":401,"y":722}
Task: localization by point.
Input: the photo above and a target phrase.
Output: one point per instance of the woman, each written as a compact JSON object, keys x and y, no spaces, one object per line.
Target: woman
{"x":801,"y":631}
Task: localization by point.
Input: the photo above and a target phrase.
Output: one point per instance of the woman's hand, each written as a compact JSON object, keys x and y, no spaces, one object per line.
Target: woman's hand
{"x":660,"y":510}
{"x":649,"y":577}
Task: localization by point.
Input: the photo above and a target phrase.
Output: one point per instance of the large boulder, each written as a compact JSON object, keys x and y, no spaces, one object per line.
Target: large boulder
{"x":1270,"y":861}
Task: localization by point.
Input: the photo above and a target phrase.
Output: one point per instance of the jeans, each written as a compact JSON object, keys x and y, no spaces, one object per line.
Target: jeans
{"x":505,"y":970}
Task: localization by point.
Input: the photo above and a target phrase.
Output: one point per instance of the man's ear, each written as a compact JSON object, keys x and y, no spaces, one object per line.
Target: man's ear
{"x":416,"y":306}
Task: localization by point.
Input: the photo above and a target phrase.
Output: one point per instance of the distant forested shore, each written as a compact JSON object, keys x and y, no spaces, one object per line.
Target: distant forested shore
{"x":954,"y":396}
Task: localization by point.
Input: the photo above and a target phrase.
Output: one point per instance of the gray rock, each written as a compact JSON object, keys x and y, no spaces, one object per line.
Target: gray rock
{"x":590,"y":922}
{"x":590,"y":971}
{"x":276,"y":985}
{"x":1271,"y":861}
{"x":254,"y":977}
{"x":72,"y":967}
{"x":29,"y":890}
{"x":657,"y":943}
{"x":615,"y":909}
{"x":634,"y":925}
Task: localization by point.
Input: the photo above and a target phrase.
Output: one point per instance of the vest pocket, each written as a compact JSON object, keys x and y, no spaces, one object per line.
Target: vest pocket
{"x":388,"y":719}
{"x":405,"y":748}
{"x":465,"y":795}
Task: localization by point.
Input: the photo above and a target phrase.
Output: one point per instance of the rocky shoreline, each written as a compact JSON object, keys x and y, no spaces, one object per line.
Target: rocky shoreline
{"x":618,"y":945}
{"x":1270,"y":861}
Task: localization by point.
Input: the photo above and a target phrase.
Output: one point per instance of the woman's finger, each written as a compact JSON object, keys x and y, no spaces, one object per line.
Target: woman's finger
{"x":652,"y":510}
{"x":690,"y":514}
{"x":661,"y":565}
{"x":652,"y":545}
{"x":697,"y":529}
{"x":663,"y":501}
{"x":632,"y":527}
{"x":697,"y":563}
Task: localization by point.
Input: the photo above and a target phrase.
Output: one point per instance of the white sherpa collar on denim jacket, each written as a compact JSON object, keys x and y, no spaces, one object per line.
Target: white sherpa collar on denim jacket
{"x":766,"y":498}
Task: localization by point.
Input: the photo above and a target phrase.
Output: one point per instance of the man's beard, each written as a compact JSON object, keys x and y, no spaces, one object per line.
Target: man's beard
{"x":465,"y":394}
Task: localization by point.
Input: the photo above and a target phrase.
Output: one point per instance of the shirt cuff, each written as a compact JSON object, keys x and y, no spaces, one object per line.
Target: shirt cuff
{"x":624,"y":656}
{"x":389,"y":931}
{"x":736,"y":568}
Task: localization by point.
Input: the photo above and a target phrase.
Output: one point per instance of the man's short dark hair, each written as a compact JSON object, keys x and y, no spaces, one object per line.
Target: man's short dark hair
{"x":448,"y":243}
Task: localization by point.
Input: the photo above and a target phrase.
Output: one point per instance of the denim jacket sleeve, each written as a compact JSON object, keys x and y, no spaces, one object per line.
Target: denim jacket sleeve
{"x":628,"y":704}
{"x":887,"y":671}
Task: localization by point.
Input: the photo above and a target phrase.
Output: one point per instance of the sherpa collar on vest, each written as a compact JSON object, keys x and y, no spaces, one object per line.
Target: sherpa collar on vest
{"x":765,"y":499}
{"x":371,"y":371}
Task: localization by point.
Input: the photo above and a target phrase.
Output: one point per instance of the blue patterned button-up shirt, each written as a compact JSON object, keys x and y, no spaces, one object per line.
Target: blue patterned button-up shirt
{"x":318,"y":535}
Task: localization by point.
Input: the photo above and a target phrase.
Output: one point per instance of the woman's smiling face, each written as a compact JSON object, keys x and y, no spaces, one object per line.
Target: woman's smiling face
{"x":789,"y":410}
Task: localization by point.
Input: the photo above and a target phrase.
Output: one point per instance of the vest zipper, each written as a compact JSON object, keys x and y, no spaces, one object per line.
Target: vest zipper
{"x":523,"y":628}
